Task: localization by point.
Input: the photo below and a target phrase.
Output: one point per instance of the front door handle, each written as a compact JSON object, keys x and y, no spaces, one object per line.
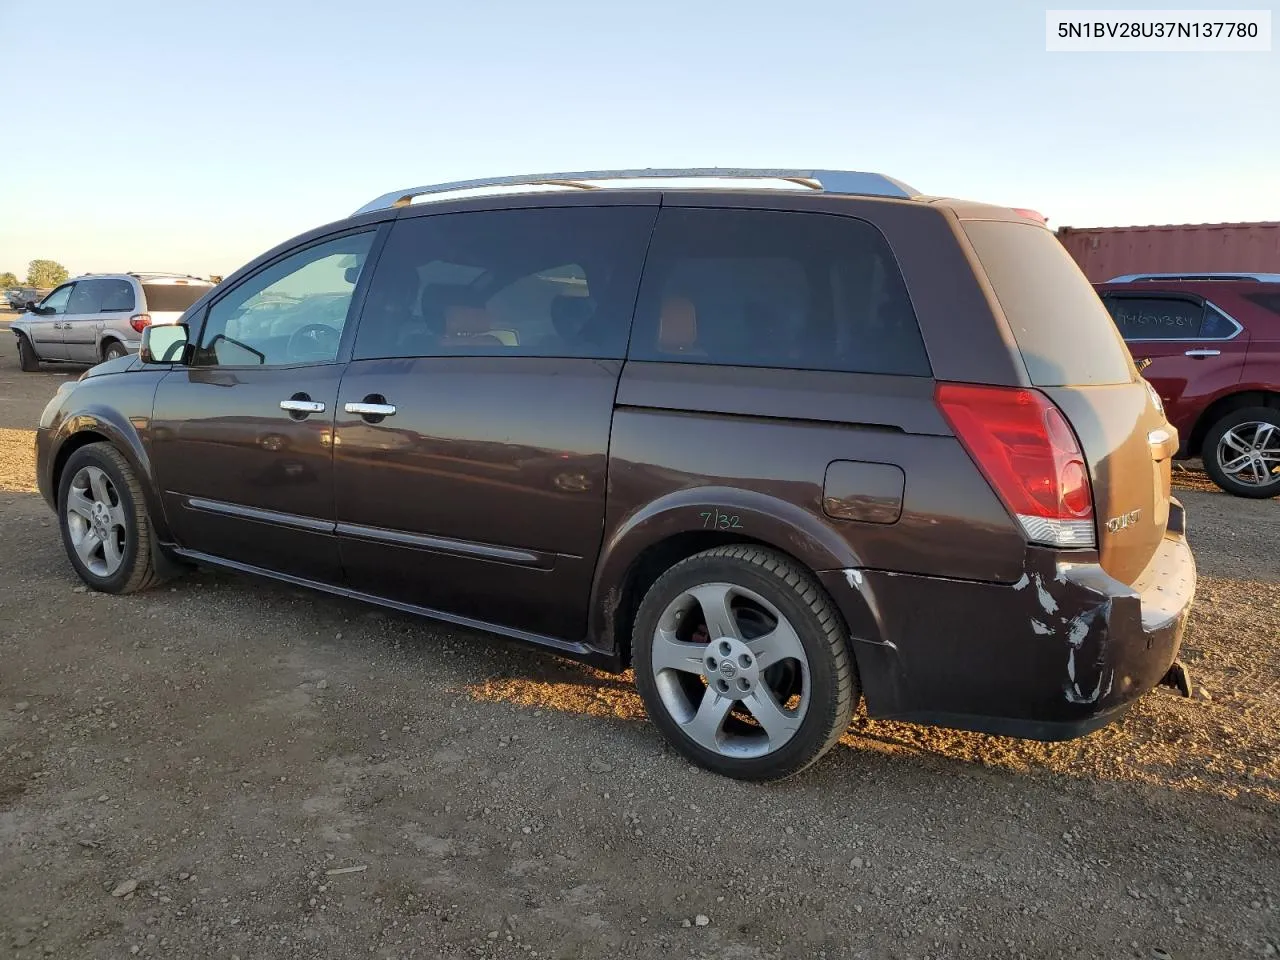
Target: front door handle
{"x":1203,"y":353}
{"x":302,"y":406}
{"x":371,"y":409}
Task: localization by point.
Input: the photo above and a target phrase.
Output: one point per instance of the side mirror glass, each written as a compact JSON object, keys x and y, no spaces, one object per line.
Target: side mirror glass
{"x":166,"y":343}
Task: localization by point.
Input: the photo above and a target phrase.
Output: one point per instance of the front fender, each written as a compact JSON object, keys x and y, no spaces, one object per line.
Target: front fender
{"x":748,"y":514}
{"x":118,"y":412}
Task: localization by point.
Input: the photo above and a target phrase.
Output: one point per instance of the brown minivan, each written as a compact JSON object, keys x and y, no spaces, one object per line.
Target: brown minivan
{"x":775,"y":439}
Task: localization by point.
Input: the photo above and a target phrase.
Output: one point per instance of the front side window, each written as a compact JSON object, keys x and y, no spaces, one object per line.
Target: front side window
{"x":55,"y":304}
{"x":292,"y":312}
{"x":545,"y":282}
{"x":770,"y":289}
{"x":1156,"y":318}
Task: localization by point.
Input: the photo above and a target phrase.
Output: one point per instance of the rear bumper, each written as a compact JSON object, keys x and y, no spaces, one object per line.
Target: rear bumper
{"x":1062,"y":652}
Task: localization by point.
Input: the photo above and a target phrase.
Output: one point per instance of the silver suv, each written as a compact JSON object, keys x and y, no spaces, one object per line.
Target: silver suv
{"x":101,"y":316}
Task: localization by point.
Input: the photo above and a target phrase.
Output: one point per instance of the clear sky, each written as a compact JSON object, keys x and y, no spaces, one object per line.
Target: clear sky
{"x":193,"y":136}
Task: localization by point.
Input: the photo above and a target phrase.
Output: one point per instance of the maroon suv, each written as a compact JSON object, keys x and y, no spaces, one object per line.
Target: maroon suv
{"x":1213,"y":345}
{"x":777,"y":449}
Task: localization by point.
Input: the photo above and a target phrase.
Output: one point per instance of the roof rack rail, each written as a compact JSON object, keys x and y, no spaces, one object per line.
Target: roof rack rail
{"x":1210,"y":275}
{"x":158,"y":274}
{"x":823,"y":181}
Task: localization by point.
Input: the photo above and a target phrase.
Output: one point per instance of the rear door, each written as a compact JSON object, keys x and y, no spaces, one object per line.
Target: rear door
{"x":80,"y":325}
{"x":1074,"y":354}
{"x":472,"y":436}
{"x":1196,"y":350}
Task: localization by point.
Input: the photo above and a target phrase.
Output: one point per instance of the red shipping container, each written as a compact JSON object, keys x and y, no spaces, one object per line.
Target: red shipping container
{"x":1106,"y":252}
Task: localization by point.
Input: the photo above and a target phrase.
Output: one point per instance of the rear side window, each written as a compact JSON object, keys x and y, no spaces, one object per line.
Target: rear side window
{"x":546,"y":282}
{"x":116,"y":297}
{"x":1156,"y":318}
{"x":757,"y":288}
{"x":172,"y":297}
{"x":1063,"y":331}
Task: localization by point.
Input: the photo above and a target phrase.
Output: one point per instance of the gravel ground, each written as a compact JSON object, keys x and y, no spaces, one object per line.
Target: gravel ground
{"x":230,"y":769}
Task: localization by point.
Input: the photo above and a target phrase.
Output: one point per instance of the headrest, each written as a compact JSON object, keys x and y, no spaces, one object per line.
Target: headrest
{"x":569,"y":315}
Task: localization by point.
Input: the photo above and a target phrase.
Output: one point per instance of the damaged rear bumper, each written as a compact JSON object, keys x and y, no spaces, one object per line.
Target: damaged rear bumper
{"x":1062,"y":652}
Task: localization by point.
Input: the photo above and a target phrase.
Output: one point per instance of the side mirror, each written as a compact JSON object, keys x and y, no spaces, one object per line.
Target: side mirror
{"x":166,"y":343}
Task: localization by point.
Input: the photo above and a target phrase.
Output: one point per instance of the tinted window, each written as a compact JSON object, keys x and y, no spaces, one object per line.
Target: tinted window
{"x":85,"y":297}
{"x":769,"y":289}
{"x":1063,"y":331}
{"x":116,"y":296}
{"x":1216,"y":326}
{"x":172,"y":297}
{"x":1156,"y":318}
{"x":1268,"y":301}
{"x":294,"y":311}
{"x":556,"y":282}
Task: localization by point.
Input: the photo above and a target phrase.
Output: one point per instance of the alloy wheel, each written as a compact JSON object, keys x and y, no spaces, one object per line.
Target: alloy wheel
{"x":1249,"y":453}
{"x":96,"y":521}
{"x":730,"y":670}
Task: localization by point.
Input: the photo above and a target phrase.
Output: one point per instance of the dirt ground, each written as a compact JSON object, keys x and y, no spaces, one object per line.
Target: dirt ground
{"x":225,"y":768}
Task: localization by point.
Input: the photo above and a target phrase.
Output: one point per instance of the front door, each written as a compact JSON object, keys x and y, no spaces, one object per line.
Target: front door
{"x":1196,"y":351}
{"x":242,"y":438}
{"x":46,"y":327}
{"x":472,"y":435}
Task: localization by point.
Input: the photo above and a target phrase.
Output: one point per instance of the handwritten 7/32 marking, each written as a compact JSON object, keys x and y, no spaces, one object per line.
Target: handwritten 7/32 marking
{"x":714,"y":519}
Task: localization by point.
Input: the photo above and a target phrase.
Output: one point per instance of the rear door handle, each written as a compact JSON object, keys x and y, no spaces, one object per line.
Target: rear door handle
{"x":1203,"y":353}
{"x":302,"y":406}
{"x":371,"y":409}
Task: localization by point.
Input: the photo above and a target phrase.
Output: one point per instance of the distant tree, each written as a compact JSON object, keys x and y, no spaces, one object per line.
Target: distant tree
{"x":7,"y":280}
{"x":46,"y":273}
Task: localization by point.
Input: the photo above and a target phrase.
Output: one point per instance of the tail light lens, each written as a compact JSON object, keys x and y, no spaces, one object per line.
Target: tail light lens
{"x":1029,"y":454}
{"x":140,"y":321}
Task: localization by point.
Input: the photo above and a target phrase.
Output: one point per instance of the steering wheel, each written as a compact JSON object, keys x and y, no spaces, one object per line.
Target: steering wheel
{"x":314,"y":341}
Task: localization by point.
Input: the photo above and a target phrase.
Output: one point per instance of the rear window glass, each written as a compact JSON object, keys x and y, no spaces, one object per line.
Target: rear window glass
{"x":172,"y":297}
{"x":1065,"y":334}
{"x":757,"y":288}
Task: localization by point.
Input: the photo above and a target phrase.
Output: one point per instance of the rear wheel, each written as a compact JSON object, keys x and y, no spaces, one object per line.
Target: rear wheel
{"x":113,"y":350}
{"x":743,"y":663}
{"x":105,"y":527}
{"x":27,"y":358}
{"x":1242,"y":452}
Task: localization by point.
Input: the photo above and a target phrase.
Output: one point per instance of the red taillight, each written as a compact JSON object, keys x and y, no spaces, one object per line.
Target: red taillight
{"x":140,"y":321}
{"x":1025,"y":448}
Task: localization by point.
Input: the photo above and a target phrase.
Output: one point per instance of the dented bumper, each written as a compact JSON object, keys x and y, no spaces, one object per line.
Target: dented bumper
{"x":1062,"y":652}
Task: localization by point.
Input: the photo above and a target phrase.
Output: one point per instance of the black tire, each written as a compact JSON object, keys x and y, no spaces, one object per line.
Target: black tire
{"x":833,"y":690}
{"x":113,"y":350}
{"x":142,"y":565}
{"x":1209,"y":452}
{"x":27,"y":358}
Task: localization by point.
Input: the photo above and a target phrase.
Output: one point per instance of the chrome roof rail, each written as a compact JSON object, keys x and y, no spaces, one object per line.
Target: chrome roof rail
{"x":823,"y":181}
{"x":1209,"y":275}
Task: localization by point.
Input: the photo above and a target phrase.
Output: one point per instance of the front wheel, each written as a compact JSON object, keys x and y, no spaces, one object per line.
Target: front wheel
{"x":105,"y":527}
{"x":1242,"y":452}
{"x":743,"y":663}
{"x":27,"y":359}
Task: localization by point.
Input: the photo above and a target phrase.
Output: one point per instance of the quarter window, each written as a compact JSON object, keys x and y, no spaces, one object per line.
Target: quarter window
{"x":770,"y":289}
{"x":116,"y":296}
{"x":292,"y":312}
{"x":545,"y":282}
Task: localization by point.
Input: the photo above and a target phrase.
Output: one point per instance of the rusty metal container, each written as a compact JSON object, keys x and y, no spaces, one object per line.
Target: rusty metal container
{"x":1106,"y":252}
